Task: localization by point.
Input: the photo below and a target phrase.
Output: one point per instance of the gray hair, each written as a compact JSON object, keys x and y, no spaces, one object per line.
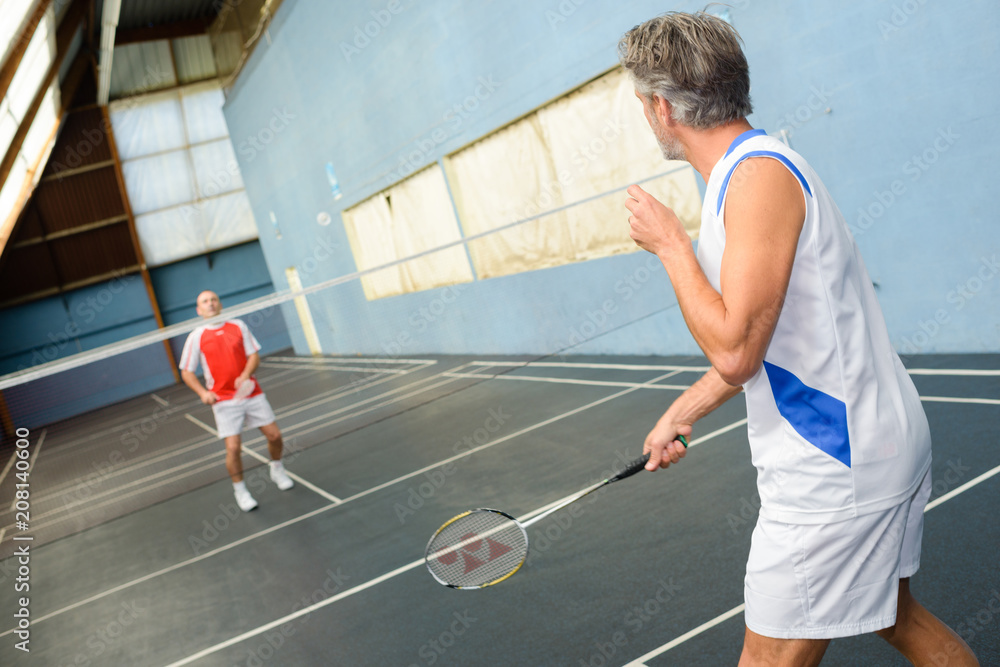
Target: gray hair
{"x":695,"y":62}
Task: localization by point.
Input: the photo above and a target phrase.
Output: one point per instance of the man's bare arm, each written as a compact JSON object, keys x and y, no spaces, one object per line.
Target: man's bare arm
{"x":765,"y":210}
{"x":704,"y":396}
{"x":191,"y":380}
{"x":253,"y":361}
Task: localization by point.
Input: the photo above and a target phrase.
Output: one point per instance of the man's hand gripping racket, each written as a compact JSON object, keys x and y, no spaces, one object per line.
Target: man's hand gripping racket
{"x":482,"y":547}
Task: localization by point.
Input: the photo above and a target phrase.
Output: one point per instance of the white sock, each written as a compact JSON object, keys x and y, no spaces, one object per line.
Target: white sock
{"x":277,"y":465}
{"x":239,"y":486}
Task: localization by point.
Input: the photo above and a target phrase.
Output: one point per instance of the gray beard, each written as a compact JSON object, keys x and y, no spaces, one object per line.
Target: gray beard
{"x":671,"y":149}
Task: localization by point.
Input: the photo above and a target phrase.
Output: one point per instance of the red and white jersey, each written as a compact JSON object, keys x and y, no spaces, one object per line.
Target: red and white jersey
{"x":222,"y":351}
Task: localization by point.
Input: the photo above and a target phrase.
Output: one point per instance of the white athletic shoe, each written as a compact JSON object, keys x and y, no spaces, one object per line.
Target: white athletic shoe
{"x":245,"y":500}
{"x":280,"y":477}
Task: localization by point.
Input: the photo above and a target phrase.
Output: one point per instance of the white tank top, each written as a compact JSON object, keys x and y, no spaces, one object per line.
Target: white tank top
{"x":835,"y":424}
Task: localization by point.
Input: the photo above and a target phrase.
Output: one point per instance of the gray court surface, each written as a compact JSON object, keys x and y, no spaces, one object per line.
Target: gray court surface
{"x":140,"y":556}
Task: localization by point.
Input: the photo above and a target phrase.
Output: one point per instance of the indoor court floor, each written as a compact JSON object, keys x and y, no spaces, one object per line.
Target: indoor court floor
{"x":143,"y":559}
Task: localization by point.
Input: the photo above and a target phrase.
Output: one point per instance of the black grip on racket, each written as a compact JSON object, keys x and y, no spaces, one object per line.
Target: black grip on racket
{"x":631,"y":468}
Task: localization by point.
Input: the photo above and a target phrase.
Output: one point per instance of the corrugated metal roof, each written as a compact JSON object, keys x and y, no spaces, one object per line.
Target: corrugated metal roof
{"x":194,"y":58}
{"x":142,"y":13}
{"x":141,"y":67}
{"x":78,"y":200}
{"x":80,"y":144}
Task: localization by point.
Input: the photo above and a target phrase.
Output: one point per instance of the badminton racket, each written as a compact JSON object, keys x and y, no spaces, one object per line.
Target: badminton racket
{"x":482,"y":547}
{"x":245,"y":389}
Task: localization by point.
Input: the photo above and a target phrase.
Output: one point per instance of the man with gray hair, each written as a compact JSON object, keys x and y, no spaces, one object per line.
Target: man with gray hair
{"x":779,"y":300}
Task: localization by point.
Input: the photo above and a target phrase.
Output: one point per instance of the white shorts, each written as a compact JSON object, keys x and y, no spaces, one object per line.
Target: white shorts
{"x":832,"y":580}
{"x":232,"y":416}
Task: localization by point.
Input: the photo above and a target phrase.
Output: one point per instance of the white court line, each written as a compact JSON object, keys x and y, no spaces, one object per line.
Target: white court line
{"x":965,"y":487}
{"x":272,"y":382}
{"x":609,"y":383}
{"x":724,"y":429}
{"x":556,"y":364}
{"x":953,"y":371}
{"x":623,"y":367}
{"x":366,"y":585}
{"x":640,"y":662}
{"x":176,"y":566}
{"x":202,"y":424}
{"x":116,"y":499}
{"x":594,"y":383}
{"x":351,"y":360}
{"x":2,"y":531}
{"x":309,"y":485}
{"x":169,"y":475}
{"x":951,"y":399}
{"x":301,"y":612}
{"x":308,"y":515}
{"x":6,"y":468}
{"x":568,"y":364}
{"x":505,"y":438}
{"x":162,"y":401}
{"x":354,"y":369}
{"x":281,"y":414}
{"x":286,"y":412}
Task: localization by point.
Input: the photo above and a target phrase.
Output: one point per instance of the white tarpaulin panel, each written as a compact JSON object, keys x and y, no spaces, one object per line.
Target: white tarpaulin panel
{"x":202,"y":104}
{"x":181,"y":173}
{"x":170,"y":234}
{"x":215,"y":168}
{"x":410,"y":218}
{"x":159,"y":181}
{"x":227,"y":220}
{"x":194,"y":229}
{"x":14,"y":12}
{"x":43,"y":125}
{"x":508,"y":177}
{"x":8,"y":128}
{"x":35,"y":63}
{"x":586,"y":143}
{"x":149,"y":124}
{"x":600,"y":138}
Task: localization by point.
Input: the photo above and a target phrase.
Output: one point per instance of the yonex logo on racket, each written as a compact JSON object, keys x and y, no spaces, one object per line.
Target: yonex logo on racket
{"x":476,"y":553}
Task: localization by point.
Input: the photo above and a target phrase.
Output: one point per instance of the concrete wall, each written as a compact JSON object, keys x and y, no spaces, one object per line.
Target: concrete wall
{"x":894,"y":103}
{"x":103,"y":314}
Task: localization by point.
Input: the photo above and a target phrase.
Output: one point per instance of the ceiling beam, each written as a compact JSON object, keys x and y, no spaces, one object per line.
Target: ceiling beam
{"x":20,"y":45}
{"x":109,"y":25}
{"x":175,"y":30}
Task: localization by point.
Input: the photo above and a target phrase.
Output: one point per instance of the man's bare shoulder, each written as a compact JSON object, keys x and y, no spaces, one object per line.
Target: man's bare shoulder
{"x":764,"y":190}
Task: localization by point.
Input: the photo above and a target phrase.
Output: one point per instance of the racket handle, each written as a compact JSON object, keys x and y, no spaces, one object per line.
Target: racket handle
{"x":640,"y":463}
{"x":631,"y":468}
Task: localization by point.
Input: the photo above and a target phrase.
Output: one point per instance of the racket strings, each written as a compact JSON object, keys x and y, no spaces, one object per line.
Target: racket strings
{"x":477,"y":549}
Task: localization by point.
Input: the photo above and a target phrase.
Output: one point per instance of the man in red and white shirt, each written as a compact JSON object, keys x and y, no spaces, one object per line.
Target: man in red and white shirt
{"x":228,"y":353}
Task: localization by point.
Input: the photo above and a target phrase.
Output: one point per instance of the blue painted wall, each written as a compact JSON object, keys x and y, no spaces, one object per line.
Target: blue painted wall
{"x":77,"y":321}
{"x":893,"y":103}
{"x":105,"y":313}
{"x":236,"y":274}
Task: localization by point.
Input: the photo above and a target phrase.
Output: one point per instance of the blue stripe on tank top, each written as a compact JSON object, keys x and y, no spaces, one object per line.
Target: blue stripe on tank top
{"x":749,"y":134}
{"x":818,"y":417}
{"x":778,"y":156}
